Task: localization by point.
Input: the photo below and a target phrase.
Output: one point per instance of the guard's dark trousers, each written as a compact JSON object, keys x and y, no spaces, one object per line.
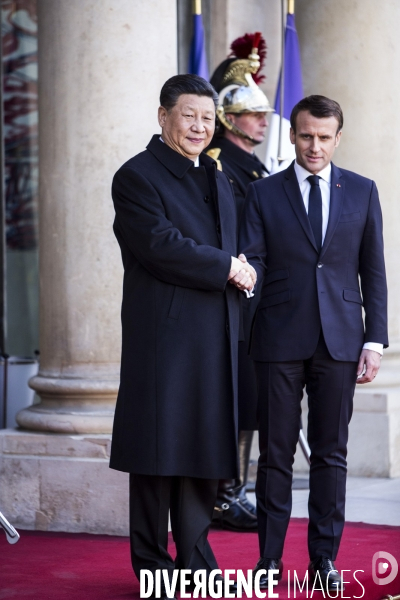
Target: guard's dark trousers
{"x":191,"y":502}
{"x":330,"y":387}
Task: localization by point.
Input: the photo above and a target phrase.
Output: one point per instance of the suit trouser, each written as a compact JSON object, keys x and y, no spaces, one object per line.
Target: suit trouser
{"x":330,"y":387}
{"x":190,"y":501}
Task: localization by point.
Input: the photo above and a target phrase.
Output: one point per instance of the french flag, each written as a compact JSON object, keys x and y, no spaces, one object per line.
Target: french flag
{"x":197,"y":58}
{"x":292,"y":93}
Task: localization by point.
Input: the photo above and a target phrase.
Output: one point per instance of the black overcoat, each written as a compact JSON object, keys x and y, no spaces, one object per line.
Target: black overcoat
{"x":176,"y":411}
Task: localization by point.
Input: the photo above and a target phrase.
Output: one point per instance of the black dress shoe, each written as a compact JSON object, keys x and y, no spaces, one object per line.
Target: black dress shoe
{"x":330,"y":578}
{"x":234,"y":516}
{"x":245,"y":502}
{"x":268,"y":564}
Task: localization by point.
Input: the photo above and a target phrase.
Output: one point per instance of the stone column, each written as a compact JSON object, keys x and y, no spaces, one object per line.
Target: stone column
{"x":101,"y":67}
{"x":349,"y":52}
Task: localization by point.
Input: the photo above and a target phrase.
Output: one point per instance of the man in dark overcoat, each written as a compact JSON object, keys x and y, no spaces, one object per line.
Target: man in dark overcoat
{"x":175,"y":424}
{"x":314,"y":232}
{"x":242,"y":115}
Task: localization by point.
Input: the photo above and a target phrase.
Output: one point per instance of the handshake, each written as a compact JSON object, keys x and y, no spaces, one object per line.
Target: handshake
{"x":242,"y":274}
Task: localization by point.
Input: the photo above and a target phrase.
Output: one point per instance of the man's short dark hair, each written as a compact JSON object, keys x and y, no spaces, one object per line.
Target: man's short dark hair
{"x":320,"y":107}
{"x":185,"y":84}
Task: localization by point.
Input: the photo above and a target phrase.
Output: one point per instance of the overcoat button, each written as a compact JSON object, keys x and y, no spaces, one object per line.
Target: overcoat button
{"x":320,"y":265}
{"x":206,"y":199}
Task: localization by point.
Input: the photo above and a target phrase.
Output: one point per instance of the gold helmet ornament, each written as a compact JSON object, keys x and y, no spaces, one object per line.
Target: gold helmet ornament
{"x":236,"y":81}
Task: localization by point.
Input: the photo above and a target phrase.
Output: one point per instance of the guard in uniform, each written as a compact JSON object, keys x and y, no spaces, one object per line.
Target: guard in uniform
{"x":242,"y":115}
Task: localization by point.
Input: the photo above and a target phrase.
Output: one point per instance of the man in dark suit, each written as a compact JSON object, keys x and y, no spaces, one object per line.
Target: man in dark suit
{"x":314,"y":232}
{"x":175,"y":424}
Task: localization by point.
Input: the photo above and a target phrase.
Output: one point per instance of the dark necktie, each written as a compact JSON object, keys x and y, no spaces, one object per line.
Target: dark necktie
{"x":315,"y":209}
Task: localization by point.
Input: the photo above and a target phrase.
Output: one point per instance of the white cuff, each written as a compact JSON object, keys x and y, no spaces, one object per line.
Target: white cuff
{"x":374,"y":346}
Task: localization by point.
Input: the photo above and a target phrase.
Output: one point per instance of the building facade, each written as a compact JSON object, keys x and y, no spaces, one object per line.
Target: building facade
{"x":100,"y":69}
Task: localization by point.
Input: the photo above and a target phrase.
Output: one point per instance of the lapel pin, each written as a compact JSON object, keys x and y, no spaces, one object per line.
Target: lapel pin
{"x":338,"y":185}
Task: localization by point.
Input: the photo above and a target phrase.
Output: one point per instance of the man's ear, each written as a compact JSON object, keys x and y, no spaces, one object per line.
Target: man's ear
{"x":162,"y":116}
{"x":292,"y":136}
{"x":338,"y":136}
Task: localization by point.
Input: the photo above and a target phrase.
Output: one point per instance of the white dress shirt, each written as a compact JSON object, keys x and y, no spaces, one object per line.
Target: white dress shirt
{"x":325,"y":186}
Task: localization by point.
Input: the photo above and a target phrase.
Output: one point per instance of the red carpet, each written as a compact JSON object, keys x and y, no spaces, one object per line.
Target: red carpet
{"x":62,"y":566}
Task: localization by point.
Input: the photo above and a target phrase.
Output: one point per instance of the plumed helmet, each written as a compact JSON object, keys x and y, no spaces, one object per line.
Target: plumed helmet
{"x":236,"y":81}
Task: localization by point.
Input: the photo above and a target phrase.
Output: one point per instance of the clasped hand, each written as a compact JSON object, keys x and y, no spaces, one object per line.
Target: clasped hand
{"x":242,"y":274}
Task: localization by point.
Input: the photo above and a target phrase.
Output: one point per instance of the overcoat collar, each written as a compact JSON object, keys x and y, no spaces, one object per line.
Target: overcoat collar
{"x":172,"y":160}
{"x":292,"y":189}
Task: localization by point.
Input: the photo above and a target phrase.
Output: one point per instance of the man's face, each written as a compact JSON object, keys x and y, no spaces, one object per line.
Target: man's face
{"x":315,"y":141}
{"x":254,"y":124}
{"x":189,"y":126}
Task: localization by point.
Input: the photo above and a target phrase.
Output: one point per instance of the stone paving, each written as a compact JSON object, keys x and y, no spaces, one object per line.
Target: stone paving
{"x":369,"y":500}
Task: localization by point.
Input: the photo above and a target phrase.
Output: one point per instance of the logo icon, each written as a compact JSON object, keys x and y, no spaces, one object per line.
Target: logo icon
{"x":380,"y":568}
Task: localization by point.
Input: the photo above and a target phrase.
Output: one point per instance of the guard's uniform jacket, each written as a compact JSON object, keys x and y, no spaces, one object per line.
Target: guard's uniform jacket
{"x":242,"y":168}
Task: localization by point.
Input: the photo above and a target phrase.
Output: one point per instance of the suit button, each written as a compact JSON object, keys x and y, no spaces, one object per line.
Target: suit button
{"x":320,"y":265}
{"x":206,"y":199}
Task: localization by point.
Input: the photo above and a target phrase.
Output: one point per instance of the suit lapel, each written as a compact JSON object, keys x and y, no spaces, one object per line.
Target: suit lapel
{"x":293,"y":193}
{"x":335,"y":205}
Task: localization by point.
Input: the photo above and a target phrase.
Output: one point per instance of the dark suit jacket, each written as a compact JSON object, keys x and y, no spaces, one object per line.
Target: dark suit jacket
{"x":304,"y":290}
{"x":176,"y":411}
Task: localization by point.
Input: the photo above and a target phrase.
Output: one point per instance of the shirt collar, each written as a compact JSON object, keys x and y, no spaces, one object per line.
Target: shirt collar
{"x":302,"y":173}
{"x":196,"y":162}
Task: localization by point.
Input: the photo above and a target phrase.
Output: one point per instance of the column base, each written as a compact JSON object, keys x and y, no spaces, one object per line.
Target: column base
{"x":71,"y":405}
{"x":53,"y":482}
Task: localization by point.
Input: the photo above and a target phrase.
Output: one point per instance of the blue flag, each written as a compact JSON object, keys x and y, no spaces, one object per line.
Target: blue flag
{"x":292,"y":93}
{"x":197,"y":59}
